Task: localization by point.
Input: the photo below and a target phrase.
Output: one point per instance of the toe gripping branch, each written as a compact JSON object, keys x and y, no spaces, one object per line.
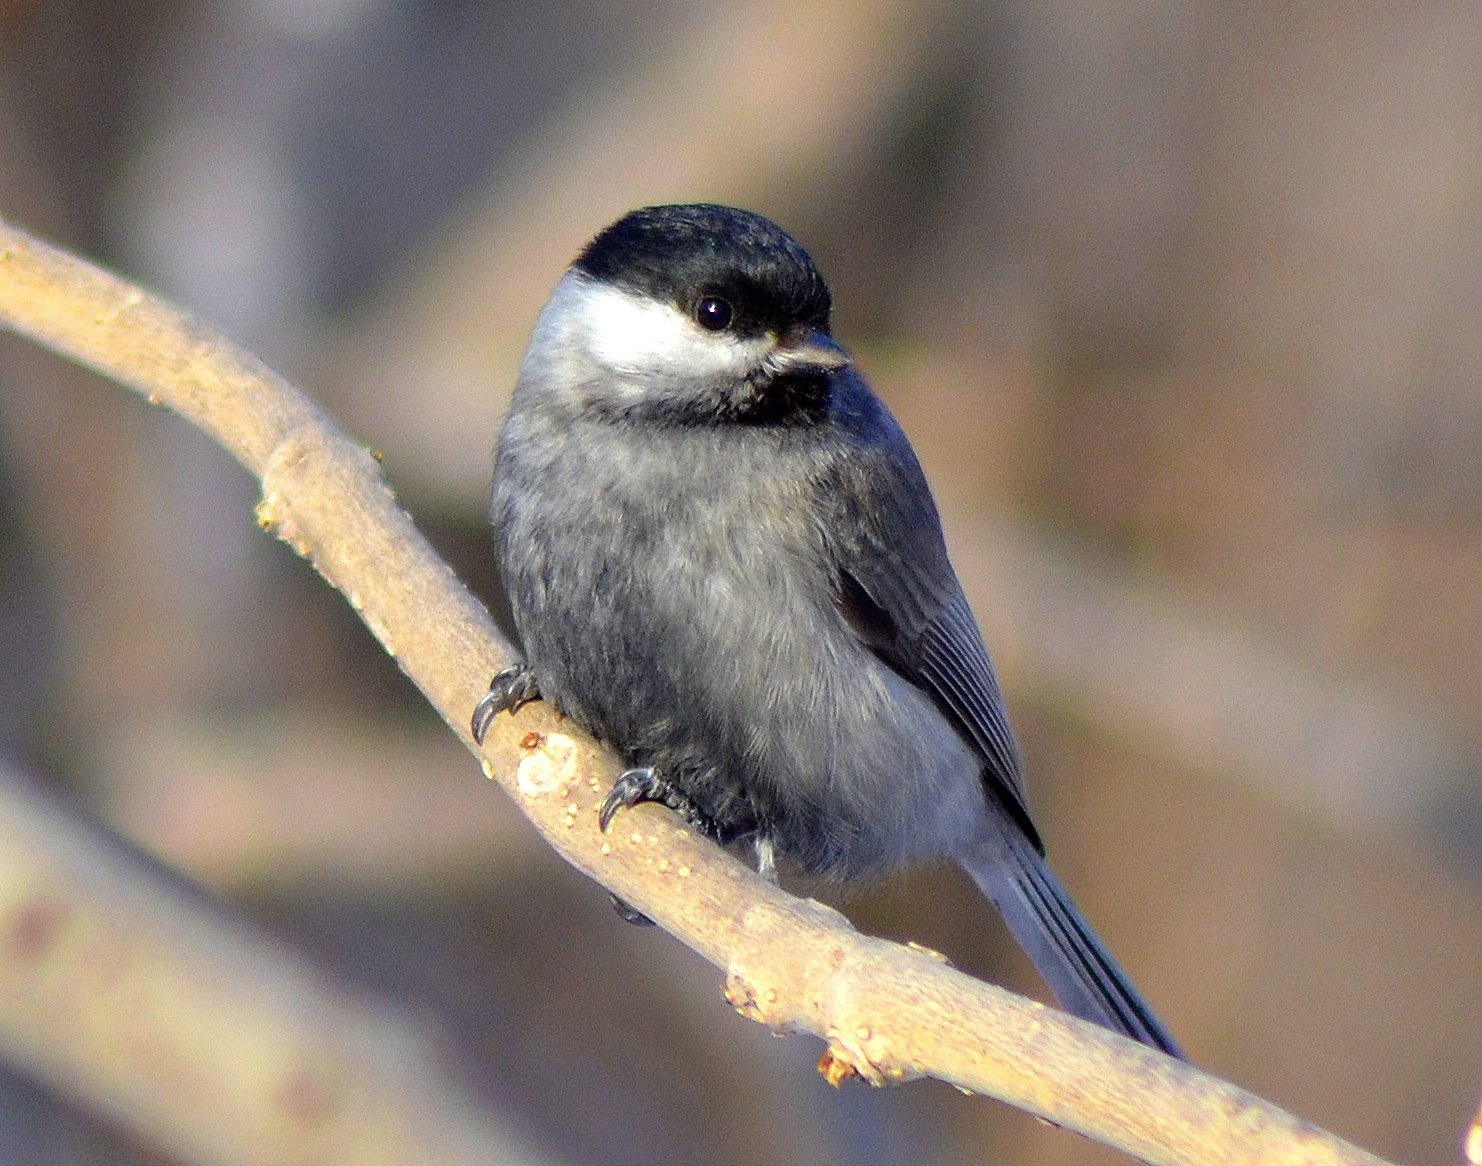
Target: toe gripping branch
{"x":632,"y":788}
{"x":510,"y":690}
{"x":516,"y":686}
{"x":645,"y":784}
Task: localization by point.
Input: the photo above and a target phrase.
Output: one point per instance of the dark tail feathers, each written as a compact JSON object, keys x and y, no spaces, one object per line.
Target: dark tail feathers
{"x":1066,"y":952}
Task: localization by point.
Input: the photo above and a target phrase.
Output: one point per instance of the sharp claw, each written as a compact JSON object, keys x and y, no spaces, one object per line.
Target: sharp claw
{"x":645,"y":784}
{"x":510,"y":690}
{"x":632,"y":787}
{"x":629,"y":913}
{"x":483,"y":713}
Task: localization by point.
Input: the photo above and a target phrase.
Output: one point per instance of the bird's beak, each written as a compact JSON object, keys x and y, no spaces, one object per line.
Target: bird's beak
{"x":813,"y":352}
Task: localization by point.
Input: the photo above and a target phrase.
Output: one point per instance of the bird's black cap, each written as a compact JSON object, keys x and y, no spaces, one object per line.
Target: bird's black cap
{"x":684,"y":253}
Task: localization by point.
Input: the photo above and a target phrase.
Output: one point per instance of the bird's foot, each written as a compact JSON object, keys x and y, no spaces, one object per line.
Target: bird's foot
{"x":645,"y":784}
{"x":510,"y":690}
{"x":629,"y":913}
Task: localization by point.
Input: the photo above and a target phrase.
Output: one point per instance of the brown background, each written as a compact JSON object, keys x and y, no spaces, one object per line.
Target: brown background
{"x":1180,"y":304}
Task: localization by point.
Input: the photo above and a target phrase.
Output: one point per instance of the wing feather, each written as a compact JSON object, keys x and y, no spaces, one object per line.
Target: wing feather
{"x":898,"y":591}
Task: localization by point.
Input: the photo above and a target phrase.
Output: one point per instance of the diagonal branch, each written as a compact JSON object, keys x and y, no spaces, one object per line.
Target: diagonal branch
{"x":888,"y":1012}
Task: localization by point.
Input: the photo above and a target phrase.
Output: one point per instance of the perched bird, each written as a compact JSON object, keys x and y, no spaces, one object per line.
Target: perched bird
{"x":725,"y":562}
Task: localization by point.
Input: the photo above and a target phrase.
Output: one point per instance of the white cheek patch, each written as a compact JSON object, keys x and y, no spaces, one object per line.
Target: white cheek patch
{"x":631,"y":335}
{"x":626,"y":331}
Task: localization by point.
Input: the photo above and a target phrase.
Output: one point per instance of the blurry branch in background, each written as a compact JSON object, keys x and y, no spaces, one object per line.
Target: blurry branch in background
{"x":202,"y":1038}
{"x":1138,"y":660}
{"x":888,"y":1012}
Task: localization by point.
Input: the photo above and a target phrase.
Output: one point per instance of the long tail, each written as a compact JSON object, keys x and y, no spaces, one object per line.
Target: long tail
{"x":1066,"y":952}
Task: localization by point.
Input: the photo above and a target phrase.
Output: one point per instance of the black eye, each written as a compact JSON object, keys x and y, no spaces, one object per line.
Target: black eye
{"x":714,"y":314}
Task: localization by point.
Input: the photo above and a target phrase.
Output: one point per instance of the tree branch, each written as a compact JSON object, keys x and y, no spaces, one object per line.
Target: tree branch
{"x":888,"y":1012}
{"x":214,"y":1043}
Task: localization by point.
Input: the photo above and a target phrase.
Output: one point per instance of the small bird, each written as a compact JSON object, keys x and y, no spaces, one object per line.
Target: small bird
{"x":724,"y":561}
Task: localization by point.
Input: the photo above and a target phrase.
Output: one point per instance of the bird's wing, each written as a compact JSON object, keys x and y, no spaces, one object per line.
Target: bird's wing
{"x":897,"y":590}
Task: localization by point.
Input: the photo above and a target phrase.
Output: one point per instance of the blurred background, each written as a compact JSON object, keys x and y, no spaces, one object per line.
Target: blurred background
{"x":1180,"y":305}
